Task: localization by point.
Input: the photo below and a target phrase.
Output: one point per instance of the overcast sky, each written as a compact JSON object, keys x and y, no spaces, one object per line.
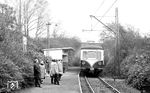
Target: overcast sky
{"x":74,"y":15}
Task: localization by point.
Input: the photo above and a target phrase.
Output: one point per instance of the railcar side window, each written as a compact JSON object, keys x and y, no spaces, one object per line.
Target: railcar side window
{"x":84,"y":54}
{"x":98,"y":55}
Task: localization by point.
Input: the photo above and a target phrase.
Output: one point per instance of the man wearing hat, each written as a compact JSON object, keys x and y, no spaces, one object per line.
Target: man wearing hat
{"x":37,"y":74}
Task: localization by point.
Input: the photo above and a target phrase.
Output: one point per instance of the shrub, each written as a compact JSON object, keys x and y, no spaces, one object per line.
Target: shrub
{"x":9,"y":71}
{"x":137,"y":69}
{"x":76,"y":61}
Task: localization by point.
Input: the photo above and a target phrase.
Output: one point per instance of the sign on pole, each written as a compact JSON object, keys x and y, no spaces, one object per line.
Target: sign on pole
{"x":12,"y":85}
{"x":24,"y":43}
{"x":24,"y":40}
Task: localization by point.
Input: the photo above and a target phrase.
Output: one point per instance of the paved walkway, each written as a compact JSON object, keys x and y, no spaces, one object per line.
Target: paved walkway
{"x":68,"y":84}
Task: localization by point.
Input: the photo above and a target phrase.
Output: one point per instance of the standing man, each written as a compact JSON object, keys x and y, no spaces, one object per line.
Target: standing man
{"x":54,"y":72}
{"x":42,"y":70}
{"x":37,"y":74}
{"x":60,"y":69}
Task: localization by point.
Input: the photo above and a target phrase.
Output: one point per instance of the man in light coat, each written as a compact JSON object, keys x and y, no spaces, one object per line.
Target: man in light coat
{"x":42,"y":69}
{"x":60,"y":68}
{"x":54,"y":72}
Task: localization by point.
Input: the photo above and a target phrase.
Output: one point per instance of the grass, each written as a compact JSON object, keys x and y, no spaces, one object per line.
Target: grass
{"x":121,"y":86}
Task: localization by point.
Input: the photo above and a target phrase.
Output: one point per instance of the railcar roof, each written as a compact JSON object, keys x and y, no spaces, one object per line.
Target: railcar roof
{"x":91,"y":46}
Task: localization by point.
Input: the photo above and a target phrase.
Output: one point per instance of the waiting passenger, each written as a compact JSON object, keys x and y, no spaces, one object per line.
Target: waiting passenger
{"x":60,"y":69}
{"x":54,"y":72}
{"x":42,"y":69}
{"x":37,"y":74}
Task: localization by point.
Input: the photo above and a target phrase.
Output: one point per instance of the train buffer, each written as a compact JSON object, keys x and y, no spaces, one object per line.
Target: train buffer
{"x":68,"y":84}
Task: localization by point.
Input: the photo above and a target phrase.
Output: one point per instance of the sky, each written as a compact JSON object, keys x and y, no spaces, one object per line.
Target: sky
{"x":74,"y":15}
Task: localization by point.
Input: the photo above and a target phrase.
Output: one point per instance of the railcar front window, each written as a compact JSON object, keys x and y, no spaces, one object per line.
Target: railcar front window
{"x":91,"y":54}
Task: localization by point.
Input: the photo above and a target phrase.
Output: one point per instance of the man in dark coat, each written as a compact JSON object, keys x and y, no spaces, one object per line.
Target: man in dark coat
{"x":37,"y":74}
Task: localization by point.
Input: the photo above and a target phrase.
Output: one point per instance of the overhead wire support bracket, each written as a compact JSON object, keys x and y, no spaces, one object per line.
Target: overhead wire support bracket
{"x":103,"y":24}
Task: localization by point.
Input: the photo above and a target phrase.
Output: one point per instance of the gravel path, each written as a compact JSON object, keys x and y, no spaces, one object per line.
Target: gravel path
{"x":68,"y":84}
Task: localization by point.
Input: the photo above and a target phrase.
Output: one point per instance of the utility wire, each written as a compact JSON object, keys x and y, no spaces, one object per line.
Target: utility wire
{"x":99,"y":6}
{"x":96,"y":12}
{"x":106,"y":11}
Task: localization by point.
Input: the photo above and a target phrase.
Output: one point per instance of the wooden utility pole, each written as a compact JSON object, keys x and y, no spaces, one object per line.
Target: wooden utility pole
{"x":48,"y":35}
{"x":24,"y":39}
{"x":19,"y":18}
{"x":117,"y":43}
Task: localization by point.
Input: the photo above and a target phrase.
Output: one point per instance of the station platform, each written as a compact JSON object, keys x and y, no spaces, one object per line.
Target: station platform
{"x":68,"y":84}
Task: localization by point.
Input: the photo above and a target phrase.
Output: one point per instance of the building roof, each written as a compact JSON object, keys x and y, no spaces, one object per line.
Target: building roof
{"x":63,"y":48}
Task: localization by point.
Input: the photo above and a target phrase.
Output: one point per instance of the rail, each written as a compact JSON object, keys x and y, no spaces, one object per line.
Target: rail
{"x":89,"y":85}
{"x":79,"y":83}
{"x":109,"y":86}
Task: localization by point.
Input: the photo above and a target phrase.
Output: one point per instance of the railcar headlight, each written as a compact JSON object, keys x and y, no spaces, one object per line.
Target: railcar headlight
{"x":83,"y":63}
{"x":100,"y":63}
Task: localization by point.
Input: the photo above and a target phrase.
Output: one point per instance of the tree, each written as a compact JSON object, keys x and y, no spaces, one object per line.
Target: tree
{"x":14,"y":63}
{"x":128,"y":41}
{"x":31,"y":15}
{"x":42,"y":18}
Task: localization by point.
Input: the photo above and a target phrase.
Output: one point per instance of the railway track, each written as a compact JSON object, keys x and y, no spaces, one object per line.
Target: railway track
{"x":95,"y":85}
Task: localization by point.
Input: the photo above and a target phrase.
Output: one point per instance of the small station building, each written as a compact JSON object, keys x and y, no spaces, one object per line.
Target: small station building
{"x":66,"y":54}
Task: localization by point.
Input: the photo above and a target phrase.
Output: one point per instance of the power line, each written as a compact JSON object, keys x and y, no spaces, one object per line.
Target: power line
{"x":107,"y":11}
{"x":96,"y":11}
{"x":99,"y":6}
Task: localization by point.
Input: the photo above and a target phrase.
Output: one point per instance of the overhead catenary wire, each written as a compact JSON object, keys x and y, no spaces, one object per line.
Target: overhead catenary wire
{"x":96,"y":12}
{"x":109,"y":9}
{"x":106,"y":12}
{"x":99,"y":6}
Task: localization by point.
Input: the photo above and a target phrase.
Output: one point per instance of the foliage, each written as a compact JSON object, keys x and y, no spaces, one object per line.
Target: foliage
{"x":109,"y":68}
{"x":9,"y":71}
{"x":60,"y":42}
{"x":76,"y":61}
{"x":133,"y":56}
{"x":128,"y":40}
{"x":14,"y":63}
{"x":137,"y":69}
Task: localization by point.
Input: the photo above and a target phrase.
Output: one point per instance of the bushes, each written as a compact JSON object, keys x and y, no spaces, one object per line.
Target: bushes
{"x":137,"y":69}
{"x":76,"y":61}
{"x":14,"y":63}
{"x":109,"y":68}
{"x":8,"y":71}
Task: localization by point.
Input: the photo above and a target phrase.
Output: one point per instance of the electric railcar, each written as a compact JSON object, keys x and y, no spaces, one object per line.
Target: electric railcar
{"x":92,"y":60}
